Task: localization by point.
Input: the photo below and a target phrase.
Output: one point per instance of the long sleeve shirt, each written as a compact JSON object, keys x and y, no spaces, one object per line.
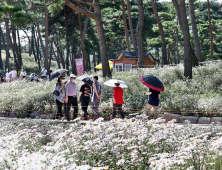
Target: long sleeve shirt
{"x":70,"y":89}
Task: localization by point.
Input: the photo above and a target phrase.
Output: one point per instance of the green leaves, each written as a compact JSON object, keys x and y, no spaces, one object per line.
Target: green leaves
{"x":22,"y":19}
{"x":9,"y":9}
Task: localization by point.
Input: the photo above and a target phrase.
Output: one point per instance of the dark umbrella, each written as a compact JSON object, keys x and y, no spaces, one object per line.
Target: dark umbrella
{"x":152,"y":82}
{"x":88,"y":80}
{"x":57,"y":73}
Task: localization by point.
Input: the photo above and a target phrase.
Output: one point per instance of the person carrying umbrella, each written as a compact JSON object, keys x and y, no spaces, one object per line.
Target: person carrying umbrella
{"x":84,"y":97}
{"x":60,"y":87}
{"x":118,"y":100}
{"x":155,"y":86}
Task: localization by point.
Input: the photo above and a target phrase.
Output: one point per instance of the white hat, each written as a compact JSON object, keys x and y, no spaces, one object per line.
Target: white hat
{"x":72,"y":76}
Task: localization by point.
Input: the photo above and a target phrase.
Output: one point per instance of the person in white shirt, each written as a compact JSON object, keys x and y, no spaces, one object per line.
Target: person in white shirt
{"x":7,"y":75}
{"x":43,"y":72}
{"x":13,"y":74}
{"x":23,"y":74}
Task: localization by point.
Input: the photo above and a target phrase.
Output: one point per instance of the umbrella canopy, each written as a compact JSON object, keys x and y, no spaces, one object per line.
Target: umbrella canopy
{"x":111,"y":83}
{"x":152,"y":82}
{"x":100,"y":65}
{"x":88,"y":80}
{"x":57,"y":73}
{"x":81,"y":77}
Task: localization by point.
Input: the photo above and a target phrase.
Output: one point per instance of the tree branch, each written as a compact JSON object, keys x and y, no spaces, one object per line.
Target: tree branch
{"x":86,"y":3}
{"x":80,"y":10}
{"x":41,"y":6}
{"x":105,"y":23}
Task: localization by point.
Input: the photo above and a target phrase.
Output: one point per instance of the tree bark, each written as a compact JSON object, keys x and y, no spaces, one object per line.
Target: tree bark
{"x":210,"y":31}
{"x":1,"y":64}
{"x":3,"y":41}
{"x":164,"y":51}
{"x":19,"y":47}
{"x":177,"y":45}
{"x":46,"y":38}
{"x":125,"y":25}
{"x":17,"y":56}
{"x":38,"y":30}
{"x":57,"y":58}
{"x":7,"y":40}
{"x":195,"y":32}
{"x":50,"y":54}
{"x":139,"y":30}
{"x":61,"y":56}
{"x":94,"y":60}
{"x":67,"y":42}
{"x":37,"y":51}
{"x":131,"y":25}
{"x":32,"y":44}
{"x":102,"y":41}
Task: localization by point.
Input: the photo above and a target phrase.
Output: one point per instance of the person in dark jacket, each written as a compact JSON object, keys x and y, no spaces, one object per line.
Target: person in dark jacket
{"x":153,"y":102}
{"x":84,"y":97}
{"x":118,"y":100}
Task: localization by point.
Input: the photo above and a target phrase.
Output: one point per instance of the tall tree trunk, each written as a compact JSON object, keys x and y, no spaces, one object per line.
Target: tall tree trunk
{"x":195,"y":32}
{"x":57,"y":58}
{"x":67,"y":41}
{"x":28,"y":43}
{"x":4,"y":43}
{"x":177,"y":45}
{"x":94,"y":60}
{"x":210,"y":30}
{"x":46,"y":38}
{"x":8,"y":42}
{"x":19,"y":47}
{"x":37,"y":51}
{"x":98,"y":57}
{"x":131,"y":26}
{"x":139,"y":30}
{"x":1,"y":64}
{"x":181,"y":13}
{"x":157,"y":54}
{"x":38,"y":30}
{"x":102,"y":41}
{"x":60,"y":54}
{"x":50,"y":54}
{"x":32,"y":43}
{"x":125,"y":25}
{"x":18,"y":58}
{"x":164,"y":51}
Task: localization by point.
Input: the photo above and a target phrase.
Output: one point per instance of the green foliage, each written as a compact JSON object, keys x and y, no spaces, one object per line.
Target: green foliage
{"x":22,"y":19}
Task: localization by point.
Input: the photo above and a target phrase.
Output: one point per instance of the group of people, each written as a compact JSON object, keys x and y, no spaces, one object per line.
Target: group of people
{"x":67,"y":97}
{"x":13,"y":75}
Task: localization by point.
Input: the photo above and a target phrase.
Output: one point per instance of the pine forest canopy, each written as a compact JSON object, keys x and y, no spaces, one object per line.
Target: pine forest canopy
{"x":64,"y":30}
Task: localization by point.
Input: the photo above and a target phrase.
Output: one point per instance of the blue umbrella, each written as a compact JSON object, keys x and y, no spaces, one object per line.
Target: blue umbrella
{"x":88,"y":80}
{"x":152,"y":82}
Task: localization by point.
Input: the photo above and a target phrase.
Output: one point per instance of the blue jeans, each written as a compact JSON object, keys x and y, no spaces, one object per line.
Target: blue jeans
{"x":95,"y":108}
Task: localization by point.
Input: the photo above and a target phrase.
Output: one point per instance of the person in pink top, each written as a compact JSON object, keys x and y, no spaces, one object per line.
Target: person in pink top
{"x":118,"y":100}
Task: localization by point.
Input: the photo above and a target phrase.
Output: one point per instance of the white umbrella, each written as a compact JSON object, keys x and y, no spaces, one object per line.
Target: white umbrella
{"x":111,"y":83}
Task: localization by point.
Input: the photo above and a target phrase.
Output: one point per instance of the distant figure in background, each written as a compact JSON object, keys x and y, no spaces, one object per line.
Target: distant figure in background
{"x":43,"y":73}
{"x":96,"y":96}
{"x":36,"y":78}
{"x":84,"y":97}
{"x":153,"y":102}
{"x":1,"y":78}
{"x":71,"y":98}
{"x":118,"y":100}
{"x":7,"y":75}
{"x":32,"y":77}
{"x":13,"y":74}
{"x":23,"y":74}
{"x":60,"y":87}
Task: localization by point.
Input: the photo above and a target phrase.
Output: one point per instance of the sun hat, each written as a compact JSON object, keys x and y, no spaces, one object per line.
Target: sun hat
{"x":72,"y":76}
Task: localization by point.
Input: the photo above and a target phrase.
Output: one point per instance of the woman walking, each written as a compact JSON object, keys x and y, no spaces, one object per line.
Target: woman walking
{"x":60,"y":87}
{"x":84,"y":97}
{"x":7,"y":75}
{"x":153,"y":102}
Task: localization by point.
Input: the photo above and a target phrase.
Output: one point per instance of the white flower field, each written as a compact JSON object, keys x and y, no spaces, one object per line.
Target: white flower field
{"x":120,"y":144}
